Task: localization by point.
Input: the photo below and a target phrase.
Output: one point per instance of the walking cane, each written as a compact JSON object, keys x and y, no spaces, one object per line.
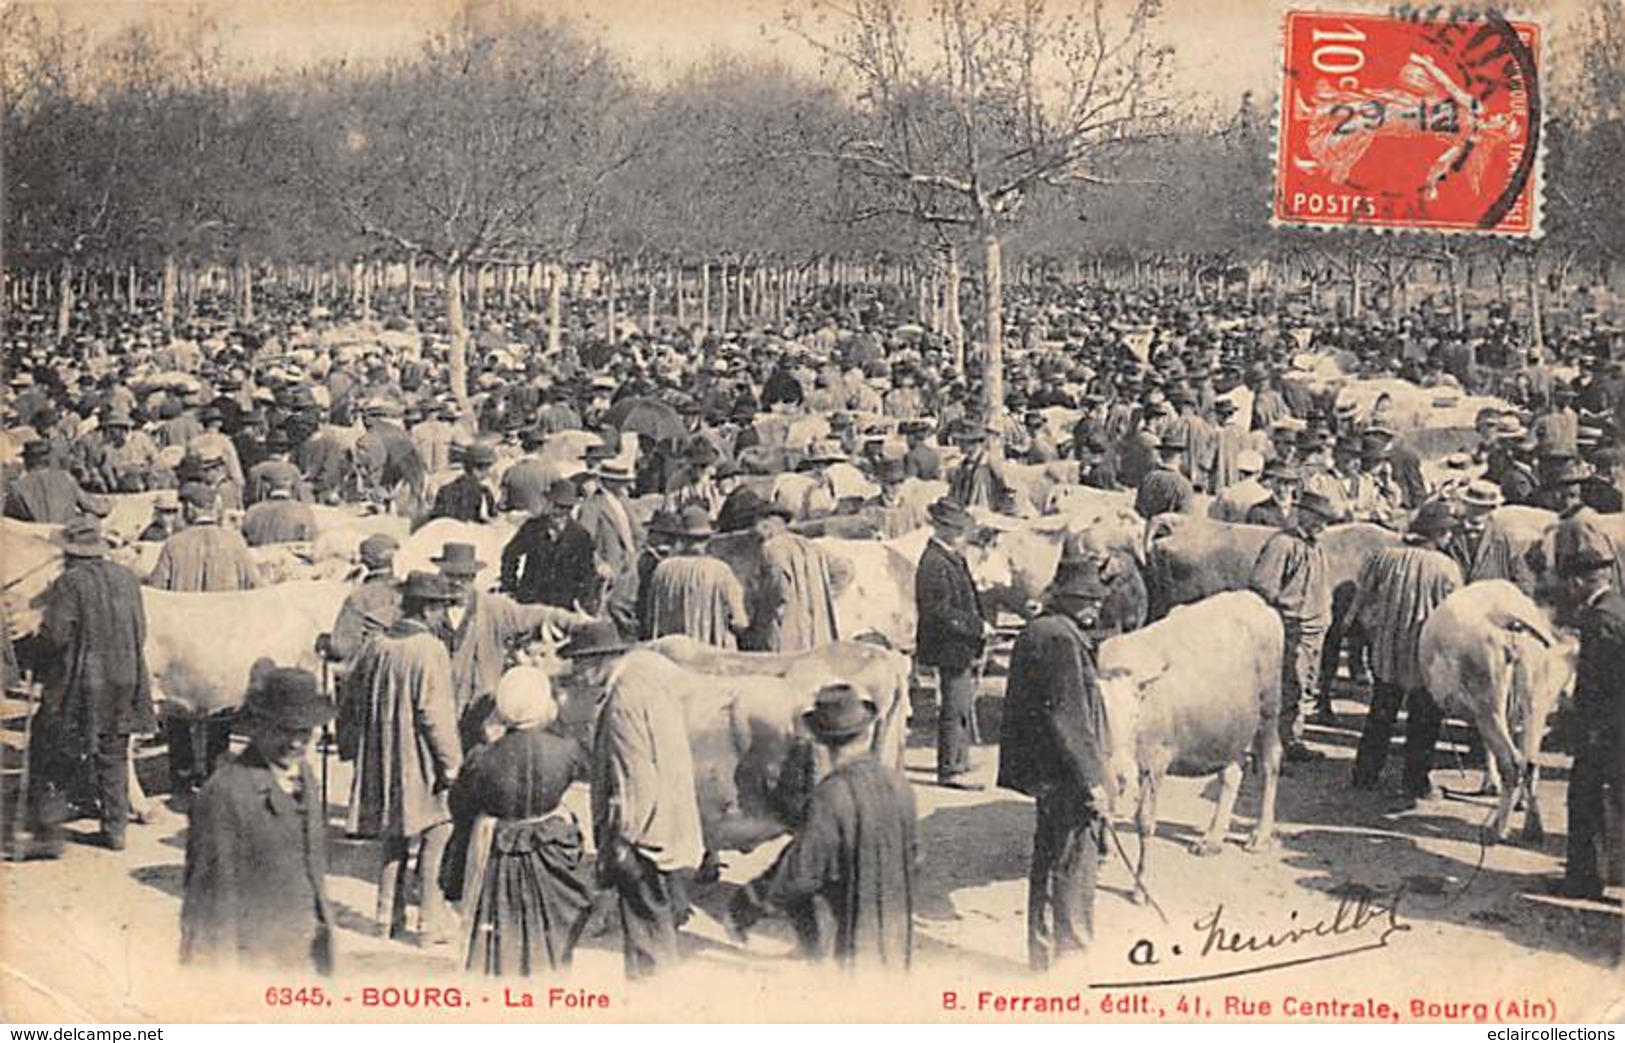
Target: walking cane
{"x":327,"y":733}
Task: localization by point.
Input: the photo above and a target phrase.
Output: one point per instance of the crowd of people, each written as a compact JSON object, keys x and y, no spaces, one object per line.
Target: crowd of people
{"x":460,"y":760}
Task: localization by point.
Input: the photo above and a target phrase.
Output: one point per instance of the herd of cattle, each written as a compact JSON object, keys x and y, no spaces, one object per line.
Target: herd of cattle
{"x":1194,"y":693}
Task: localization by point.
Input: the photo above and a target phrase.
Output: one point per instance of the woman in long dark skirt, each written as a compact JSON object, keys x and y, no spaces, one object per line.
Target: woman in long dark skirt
{"x":523,"y":880}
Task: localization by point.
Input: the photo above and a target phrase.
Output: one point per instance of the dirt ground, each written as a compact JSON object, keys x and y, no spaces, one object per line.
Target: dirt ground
{"x":1469,"y":938}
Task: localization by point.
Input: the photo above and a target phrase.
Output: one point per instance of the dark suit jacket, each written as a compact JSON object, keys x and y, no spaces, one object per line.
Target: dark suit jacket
{"x":539,"y":568}
{"x":1599,"y":681}
{"x":949,"y":628}
{"x":1052,"y":727}
{"x":256,"y":867}
{"x":465,"y":498}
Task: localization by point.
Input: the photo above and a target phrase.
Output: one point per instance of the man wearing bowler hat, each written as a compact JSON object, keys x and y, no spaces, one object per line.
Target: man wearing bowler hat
{"x":951,"y":631}
{"x":469,"y":497}
{"x":408,"y":753}
{"x":1051,"y":748}
{"x":551,"y":560}
{"x":255,"y":883}
{"x":847,"y":878}
{"x":891,"y":514}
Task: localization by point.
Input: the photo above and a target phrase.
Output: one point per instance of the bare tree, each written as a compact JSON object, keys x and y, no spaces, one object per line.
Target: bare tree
{"x":492,"y":146}
{"x":972,"y":108}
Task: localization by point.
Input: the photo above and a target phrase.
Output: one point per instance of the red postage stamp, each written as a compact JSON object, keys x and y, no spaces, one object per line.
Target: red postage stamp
{"x":1424,"y":120}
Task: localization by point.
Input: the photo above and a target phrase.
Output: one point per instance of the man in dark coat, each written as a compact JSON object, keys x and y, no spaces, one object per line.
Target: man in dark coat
{"x":469,"y":497}
{"x":1597,"y":782}
{"x":1050,"y":749}
{"x":551,"y":559}
{"x":1166,"y":490}
{"x":256,"y":864}
{"x":950,"y":632}
{"x":97,"y":691}
{"x":850,"y":869}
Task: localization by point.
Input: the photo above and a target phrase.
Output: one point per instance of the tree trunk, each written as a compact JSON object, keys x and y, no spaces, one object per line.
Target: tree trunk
{"x":132,"y":287}
{"x":993,"y":304}
{"x":457,"y":326}
{"x":555,"y":308}
{"x":1356,"y":287}
{"x":705,"y":298}
{"x":956,"y":324}
{"x":1458,"y":304}
{"x":246,"y":292}
{"x":64,"y":300}
{"x":649,"y":309}
{"x":682,"y":302}
{"x":1537,"y":322}
{"x":739,"y":297}
{"x":722,"y":300}
{"x":610,"y":317}
{"x":171,"y":277}
{"x":412,"y":286}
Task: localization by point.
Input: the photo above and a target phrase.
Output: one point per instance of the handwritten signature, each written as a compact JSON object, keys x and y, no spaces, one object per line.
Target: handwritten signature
{"x":1370,"y":913}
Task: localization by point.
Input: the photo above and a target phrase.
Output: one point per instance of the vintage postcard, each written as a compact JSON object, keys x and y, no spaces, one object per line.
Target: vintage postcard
{"x":950,"y":511}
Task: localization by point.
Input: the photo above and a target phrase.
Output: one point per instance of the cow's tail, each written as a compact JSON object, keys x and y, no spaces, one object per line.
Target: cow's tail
{"x":892,"y":734}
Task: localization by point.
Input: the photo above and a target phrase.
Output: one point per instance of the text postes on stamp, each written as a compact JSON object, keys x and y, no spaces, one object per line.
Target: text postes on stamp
{"x":1418,"y":119}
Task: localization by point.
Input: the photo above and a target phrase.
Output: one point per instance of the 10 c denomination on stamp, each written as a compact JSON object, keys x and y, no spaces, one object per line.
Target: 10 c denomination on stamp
{"x":1423,"y":119}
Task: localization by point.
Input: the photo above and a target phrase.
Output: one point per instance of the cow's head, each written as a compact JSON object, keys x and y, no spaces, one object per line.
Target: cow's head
{"x":1122,"y":696}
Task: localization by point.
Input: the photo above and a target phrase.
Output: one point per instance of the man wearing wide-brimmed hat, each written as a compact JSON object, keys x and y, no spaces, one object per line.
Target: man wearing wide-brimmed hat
{"x":206,"y":556}
{"x":1166,"y":489}
{"x":951,"y":631}
{"x":607,"y":515}
{"x":1291,"y":575}
{"x":1051,"y":748}
{"x":255,"y":884}
{"x":792,"y":606}
{"x":408,"y":752}
{"x":373,"y":607}
{"x":691,"y":592}
{"x":46,"y":493}
{"x":922,"y":460}
{"x":847,"y":878}
{"x":97,"y":690}
{"x":1282,"y":480}
{"x":1398,"y":588}
{"x":389,"y":466}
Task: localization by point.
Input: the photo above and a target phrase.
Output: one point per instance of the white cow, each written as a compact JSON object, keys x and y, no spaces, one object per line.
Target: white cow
{"x":418,"y":550}
{"x":1193,"y":695}
{"x":1490,"y":656}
